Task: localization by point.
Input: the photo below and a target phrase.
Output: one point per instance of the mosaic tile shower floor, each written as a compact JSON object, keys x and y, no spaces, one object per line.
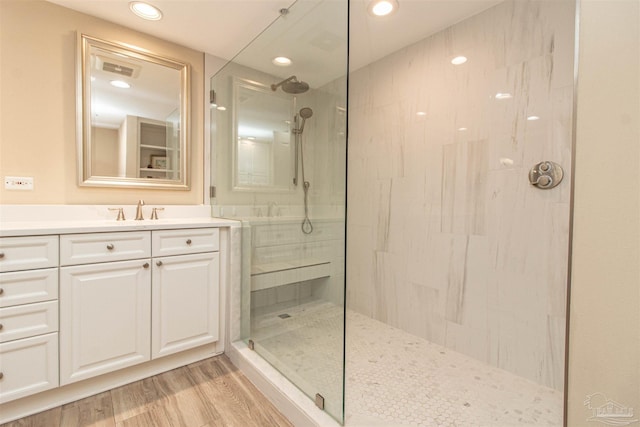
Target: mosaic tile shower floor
{"x":393,"y":378}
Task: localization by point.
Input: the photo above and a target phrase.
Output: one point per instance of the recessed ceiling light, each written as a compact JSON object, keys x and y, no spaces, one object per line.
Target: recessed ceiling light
{"x":121,"y":84}
{"x":533,"y":118}
{"x":281,"y":61}
{"x":458,"y":60}
{"x":503,"y":95}
{"x":382,"y":7}
{"x":145,"y":10}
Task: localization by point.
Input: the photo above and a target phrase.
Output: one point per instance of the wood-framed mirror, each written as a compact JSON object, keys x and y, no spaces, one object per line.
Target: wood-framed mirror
{"x":132,"y":117}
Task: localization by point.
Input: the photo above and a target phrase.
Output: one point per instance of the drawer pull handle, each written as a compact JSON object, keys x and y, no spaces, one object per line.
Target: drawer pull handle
{"x":145,"y":265}
{"x":188,"y":241}
{"x":110,"y":246}
{"x":159,"y":263}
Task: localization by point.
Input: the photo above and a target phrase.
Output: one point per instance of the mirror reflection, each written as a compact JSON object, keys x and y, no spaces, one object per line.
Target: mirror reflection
{"x":134,"y":117}
{"x":263,"y":149}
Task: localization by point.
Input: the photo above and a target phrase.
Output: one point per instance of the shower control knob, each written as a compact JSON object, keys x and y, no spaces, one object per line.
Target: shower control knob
{"x":546,"y":175}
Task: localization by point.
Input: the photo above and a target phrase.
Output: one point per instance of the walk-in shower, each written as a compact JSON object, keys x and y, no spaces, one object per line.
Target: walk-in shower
{"x":455,"y":266}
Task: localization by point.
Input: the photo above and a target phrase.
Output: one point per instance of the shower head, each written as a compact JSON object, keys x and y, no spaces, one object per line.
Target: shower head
{"x":305,"y":113}
{"x":291,"y":85}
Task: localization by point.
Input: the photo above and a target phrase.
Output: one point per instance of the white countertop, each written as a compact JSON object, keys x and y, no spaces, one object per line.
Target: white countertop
{"x":34,"y":228}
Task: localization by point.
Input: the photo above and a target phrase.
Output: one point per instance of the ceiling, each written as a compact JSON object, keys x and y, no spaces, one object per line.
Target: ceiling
{"x":224,"y":27}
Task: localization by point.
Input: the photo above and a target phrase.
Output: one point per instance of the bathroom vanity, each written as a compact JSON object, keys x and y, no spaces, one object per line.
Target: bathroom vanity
{"x":86,"y":306}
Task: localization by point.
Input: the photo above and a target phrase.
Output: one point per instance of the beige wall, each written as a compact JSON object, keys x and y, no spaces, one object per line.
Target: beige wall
{"x":604,"y":338}
{"x":38,"y":102}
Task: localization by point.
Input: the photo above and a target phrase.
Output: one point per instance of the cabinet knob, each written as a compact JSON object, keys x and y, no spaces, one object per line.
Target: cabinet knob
{"x":1,"y":255}
{"x":1,"y":326}
{"x":1,"y":291}
{"x":110,"y":246}
{"x":1,"y":375}
{"x":145,"y":265}
{"x":188,"y":241}
{"x":158,"y":263}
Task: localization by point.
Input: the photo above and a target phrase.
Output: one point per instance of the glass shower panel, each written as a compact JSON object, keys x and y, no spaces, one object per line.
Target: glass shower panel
{"x":279,"y":134}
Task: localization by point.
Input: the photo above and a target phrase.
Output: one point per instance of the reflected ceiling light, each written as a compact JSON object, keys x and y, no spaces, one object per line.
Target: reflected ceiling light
{"x":221,"y":108}
{"x":421,"y":113}
{"x":145,"y":11}
{"x":462,"y":129}
{"x":505,"y":161}
{"x":281,"y":61}
{"x":382,"y":7}
{"x":121,"y":84}
{"x":459,"y":60}
{"x":500,"y":95}
{"x":533,"y":118}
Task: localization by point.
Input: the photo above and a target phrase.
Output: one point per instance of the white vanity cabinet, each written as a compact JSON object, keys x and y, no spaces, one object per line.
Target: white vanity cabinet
{"x":122,"y":304}
{"x":89,"y":305}
{"x":185,"y":290}
{"x":105,"y":303}
{"x":28,"y":315}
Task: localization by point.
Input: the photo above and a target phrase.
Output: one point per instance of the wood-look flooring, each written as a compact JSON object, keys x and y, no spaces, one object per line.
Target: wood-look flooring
{"x":209,"y":393}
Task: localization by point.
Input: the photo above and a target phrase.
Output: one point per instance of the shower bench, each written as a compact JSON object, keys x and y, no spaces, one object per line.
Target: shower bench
{"x":265,"y":276}
{"x":281,"y":254}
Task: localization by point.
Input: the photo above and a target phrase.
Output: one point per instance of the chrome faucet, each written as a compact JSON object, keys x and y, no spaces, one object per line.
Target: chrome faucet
{"x":139,"y":215}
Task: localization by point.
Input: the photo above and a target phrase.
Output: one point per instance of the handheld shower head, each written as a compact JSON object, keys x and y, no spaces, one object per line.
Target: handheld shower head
{"x":305,"y":113}
{"x":291,"y":85}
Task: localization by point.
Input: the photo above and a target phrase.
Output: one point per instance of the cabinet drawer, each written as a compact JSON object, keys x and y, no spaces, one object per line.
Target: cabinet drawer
{"x":24,"y":321}
{"x":23,"y":287}
{"x":28,"y":366}
{"x":181,"y":242}
{"x":103,"y":247}
{"x":26,"y":253}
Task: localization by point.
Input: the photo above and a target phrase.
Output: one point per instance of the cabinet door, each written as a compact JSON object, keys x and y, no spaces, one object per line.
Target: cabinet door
{"x":185,"y":302}
{"x":105,"y":312}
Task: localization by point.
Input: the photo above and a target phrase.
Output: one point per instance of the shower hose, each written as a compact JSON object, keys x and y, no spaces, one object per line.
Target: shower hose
{"x":307,"y":227}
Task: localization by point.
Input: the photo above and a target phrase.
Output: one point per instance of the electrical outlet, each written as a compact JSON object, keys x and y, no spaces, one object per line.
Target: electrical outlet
{"x":18,"y":182}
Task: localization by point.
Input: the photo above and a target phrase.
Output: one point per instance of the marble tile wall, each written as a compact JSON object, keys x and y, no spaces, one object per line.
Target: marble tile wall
{"x":446,"y":238}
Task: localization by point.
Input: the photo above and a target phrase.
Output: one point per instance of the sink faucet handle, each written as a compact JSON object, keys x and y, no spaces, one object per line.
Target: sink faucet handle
{"x":139,"y":215}
{"x":154,"y":212}
{"x":120,"y":216}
